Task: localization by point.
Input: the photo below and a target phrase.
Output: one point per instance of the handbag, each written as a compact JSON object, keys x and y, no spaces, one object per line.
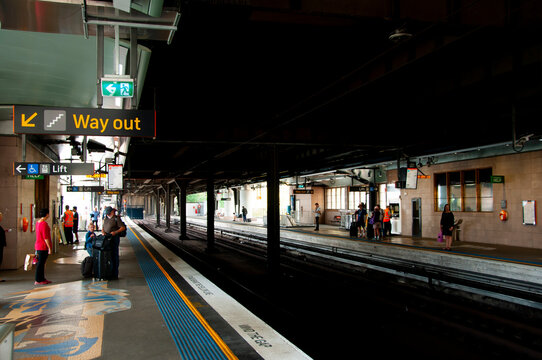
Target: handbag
{"x":28,"y":261}
{"x":371,"y":221}
{"x":439,"y":237}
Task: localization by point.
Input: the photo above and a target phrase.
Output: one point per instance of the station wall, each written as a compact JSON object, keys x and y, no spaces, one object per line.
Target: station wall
{"x":16,"y":198}
{"x":523,"y":181}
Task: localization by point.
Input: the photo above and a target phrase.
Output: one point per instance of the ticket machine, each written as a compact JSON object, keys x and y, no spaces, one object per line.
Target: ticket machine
{"x":395,"y":219}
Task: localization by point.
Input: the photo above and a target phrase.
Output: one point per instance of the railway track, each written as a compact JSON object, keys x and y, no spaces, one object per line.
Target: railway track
{"x":322,"y":294}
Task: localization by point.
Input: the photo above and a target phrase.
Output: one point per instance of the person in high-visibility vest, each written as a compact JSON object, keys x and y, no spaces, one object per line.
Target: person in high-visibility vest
{"x":386,"y":222}
{"x":68,"y":225}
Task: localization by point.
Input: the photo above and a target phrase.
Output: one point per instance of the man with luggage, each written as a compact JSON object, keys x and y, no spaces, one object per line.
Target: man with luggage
{"x":113,"y":225}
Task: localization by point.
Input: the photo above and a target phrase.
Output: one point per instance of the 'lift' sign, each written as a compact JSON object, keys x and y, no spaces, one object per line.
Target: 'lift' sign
{"x":83,"y":121}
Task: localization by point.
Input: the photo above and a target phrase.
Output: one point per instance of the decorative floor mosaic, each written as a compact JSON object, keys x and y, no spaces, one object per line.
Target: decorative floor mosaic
{"x":63,"y":321}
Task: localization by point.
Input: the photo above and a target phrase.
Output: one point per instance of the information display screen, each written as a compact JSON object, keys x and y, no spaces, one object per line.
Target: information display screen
{"x":114,"y":177}
{"x":411,"y":178}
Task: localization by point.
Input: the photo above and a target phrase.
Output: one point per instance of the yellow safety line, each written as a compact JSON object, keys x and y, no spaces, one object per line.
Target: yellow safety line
{"x":225,"y":349}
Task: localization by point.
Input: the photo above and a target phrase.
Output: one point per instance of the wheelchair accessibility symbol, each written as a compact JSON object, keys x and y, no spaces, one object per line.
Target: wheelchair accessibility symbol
{"x":33,"y":169}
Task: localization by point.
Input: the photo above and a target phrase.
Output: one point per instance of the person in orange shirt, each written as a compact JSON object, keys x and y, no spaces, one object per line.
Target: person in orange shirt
{"x":386,"y":222}
{"x":68,"y":225}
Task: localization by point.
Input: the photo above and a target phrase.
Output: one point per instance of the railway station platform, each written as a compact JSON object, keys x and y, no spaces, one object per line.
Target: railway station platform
{"x":503,"y":263}
{"x":159,"y":308}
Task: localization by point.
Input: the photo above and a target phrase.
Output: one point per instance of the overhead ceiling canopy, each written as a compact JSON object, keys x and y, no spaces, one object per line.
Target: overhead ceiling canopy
{"x":326,"y":84}
{"x":334,"y":84}
{"x":49,"y":57}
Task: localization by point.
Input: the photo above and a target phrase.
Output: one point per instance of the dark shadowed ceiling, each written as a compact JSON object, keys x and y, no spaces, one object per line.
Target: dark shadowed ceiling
{"x":321,"y":83}
{"x":328,"y":84}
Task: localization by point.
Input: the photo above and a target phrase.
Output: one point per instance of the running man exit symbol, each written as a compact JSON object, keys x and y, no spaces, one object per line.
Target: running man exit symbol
{"x":117,"y":87}
{"x":124,"y":89}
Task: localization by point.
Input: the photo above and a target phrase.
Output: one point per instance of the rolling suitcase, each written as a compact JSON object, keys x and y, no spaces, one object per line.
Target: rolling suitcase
{"x":103,"y":267}
{"x":101,"y":258}
{"x":354,"y":227}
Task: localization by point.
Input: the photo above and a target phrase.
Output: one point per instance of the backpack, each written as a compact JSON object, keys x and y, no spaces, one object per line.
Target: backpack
{"x":122,"y":233}
{"x":87,"y":267}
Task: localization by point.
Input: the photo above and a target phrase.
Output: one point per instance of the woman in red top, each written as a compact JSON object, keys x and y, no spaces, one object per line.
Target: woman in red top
{"x":43,"y":246}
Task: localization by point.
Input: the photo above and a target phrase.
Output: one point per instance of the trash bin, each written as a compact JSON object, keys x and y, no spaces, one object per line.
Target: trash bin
{"x":457,"y":230}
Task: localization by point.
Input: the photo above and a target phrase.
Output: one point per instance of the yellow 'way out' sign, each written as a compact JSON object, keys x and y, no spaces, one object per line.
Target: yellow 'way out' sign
{"x":83,"y":121}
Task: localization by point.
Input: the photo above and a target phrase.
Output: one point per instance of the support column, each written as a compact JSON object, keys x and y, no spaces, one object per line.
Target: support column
{"x":210,"y":213}
{"x":158,"y":207}
{"x":168,"y":208}
{"x":100,"y":64}
{"x":182,"y":211}
{"x":273,"y":217}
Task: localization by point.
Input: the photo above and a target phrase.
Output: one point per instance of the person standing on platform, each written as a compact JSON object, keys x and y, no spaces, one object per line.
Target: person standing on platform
{"x":377,"y":222}
{"x":76,"y":224}
{"x":94,"y":216}
{"x":386,"y":222}
{"x":113,"y":225}
{"x":244,"y":211}
{"x":68,"y":225}
{"x":317,"y":213}
{"x":361,"y":213}
{"x":447,"y":226}
{"x":43,"y":246}
{"x":3,"y":242}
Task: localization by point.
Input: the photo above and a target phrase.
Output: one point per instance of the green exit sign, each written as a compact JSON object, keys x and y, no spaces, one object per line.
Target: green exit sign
{"x":497,"y":179}
{"x":118,"y":87}
{"x":33,"y":177}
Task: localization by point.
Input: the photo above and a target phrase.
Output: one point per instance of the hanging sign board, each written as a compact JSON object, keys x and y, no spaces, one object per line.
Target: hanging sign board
{"x":357,"y":188}
{"x":114,"y":177}
{"x":83,"y":121}
{"x":117,"y":87}
{"x":296,"y":191}
{"x":411,"y":178}
{"x":26,"y":168}
{"x":84,"y":188}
